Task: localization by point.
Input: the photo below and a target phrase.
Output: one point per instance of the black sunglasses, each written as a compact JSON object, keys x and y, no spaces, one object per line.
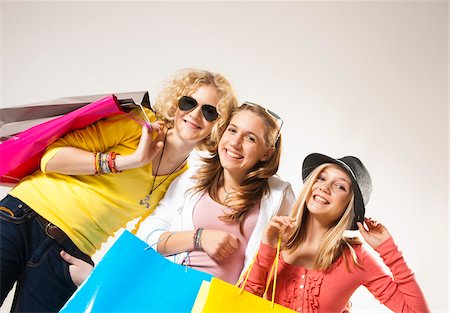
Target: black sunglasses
{"x":271,"y":113}
{"x":209,"y":112}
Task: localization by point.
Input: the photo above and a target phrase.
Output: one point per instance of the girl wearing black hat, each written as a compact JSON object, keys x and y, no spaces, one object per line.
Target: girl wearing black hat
{"x":319,"y":268}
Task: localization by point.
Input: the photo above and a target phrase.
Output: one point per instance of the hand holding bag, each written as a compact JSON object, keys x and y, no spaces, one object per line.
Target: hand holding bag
{"x":218,"y":296}
{"x":132,"y":277}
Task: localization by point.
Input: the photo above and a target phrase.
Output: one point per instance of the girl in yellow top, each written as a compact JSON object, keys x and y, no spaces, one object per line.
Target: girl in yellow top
{"x":95,"y":180}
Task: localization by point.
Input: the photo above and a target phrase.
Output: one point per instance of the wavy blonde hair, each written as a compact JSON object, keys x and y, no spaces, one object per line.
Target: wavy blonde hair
{"x":255,"y":185}
{"x":185,"y":82}
{"x":334,"y":243}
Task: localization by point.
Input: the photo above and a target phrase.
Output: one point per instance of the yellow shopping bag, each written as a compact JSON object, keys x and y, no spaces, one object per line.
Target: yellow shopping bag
{"x":219,"y":296}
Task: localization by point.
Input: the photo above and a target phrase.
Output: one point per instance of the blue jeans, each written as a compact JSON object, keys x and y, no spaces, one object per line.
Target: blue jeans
{"x":30,"y":257}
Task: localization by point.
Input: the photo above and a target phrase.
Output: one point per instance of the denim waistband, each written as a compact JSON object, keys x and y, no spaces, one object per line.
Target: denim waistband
{"x":51,"y":230}
{"x":20,"y":207}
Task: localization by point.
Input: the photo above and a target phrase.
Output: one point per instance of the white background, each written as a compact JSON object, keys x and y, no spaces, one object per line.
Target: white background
{"x":360,"y":78}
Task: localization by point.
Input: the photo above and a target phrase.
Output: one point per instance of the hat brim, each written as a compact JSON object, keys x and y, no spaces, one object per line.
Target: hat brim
{"x":314,"y":160}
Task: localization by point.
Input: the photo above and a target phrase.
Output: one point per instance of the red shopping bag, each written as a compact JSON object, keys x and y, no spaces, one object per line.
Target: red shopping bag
{"x":21,"y":154}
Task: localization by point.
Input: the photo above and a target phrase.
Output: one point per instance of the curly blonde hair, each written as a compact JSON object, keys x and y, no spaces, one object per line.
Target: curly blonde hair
{"x":185,"y":82}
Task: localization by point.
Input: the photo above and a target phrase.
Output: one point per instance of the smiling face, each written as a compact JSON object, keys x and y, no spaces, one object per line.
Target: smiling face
{"x":191,"y":125}
{"x":243,"y":143}
{"x":330,"y":194}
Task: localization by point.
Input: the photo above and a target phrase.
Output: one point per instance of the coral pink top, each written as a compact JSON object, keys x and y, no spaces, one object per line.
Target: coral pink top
{"x":206,"y":215}
{"x":308,"y":290}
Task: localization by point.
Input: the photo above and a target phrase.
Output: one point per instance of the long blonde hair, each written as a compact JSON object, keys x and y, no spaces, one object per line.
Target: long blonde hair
{"x":185,"y":82}
{"x":334,"y":243}
{"x":255,"y":185}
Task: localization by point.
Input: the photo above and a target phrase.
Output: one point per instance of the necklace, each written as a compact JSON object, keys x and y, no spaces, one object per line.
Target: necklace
{"x":227,"y":194}
{"x":146,"y":201}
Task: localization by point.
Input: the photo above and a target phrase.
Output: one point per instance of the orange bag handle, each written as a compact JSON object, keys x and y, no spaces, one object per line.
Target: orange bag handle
{"x":273,"y":272}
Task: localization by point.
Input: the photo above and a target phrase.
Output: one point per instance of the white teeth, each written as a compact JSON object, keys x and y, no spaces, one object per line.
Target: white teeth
{"x":320,"y":199}
{"x":233,"y":155}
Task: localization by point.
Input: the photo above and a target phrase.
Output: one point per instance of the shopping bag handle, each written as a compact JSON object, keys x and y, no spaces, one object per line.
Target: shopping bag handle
{"x":159,"y":240}
{"x":145,"y":115}
{"x":150,"y":246}
{"x":147,"y":120}
{"x":273,"y":272}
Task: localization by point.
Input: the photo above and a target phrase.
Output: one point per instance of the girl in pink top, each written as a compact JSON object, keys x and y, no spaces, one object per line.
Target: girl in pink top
{"x":319,"y":268}
{"x":207,"y":215}
{"x":213,"y":218}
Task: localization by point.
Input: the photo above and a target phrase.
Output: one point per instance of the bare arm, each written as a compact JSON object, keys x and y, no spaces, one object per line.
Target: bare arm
{"x":173,"y":243}
{"x":75,"y":161}
{"x":217,"y":244}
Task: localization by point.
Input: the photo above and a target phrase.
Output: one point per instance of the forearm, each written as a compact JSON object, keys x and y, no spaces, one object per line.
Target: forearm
{"x":173,"y":243}
{"x":75,"y":161}
{"x":72,"y":161}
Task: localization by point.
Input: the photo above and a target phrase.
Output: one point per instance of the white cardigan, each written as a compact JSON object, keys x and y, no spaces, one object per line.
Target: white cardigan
{"x":175,"y":213}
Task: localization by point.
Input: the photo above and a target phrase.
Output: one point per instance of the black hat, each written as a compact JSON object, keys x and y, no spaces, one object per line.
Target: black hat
{"x":361,"y":182}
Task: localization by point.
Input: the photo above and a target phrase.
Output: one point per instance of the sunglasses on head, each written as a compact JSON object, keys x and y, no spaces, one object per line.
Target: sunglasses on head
{"x":272,"y":114}
{"x":209,"y":112}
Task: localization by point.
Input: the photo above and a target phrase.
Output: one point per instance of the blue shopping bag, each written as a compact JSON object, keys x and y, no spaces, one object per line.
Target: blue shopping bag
{"x":134,"y":278}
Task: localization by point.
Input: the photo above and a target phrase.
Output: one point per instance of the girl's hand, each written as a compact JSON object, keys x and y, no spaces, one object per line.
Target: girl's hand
{"x":144,"y":153}
{"x":156,"y":126}
{"x":147,"y":148}
{"x":375,"y":233}
{"x":78,"y":269}
{"x":278,"y":226}
{"x":218,"y":244}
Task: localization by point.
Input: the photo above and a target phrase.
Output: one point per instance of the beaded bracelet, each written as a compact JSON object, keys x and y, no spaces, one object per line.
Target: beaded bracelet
{"x":105,"y":168}
{"x":105,"y":163}
{"x":112,"y":162}
{"x":198,"y":238}
{"x":95,"y":164}
{"x":98,"y":163}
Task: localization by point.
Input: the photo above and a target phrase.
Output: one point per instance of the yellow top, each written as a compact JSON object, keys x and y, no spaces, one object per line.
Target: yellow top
{"x":90,"y":208}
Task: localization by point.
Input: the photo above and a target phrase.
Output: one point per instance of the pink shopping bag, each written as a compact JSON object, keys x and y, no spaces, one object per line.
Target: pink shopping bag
{"x":17,"y":119}
{"x":21,"y":154}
